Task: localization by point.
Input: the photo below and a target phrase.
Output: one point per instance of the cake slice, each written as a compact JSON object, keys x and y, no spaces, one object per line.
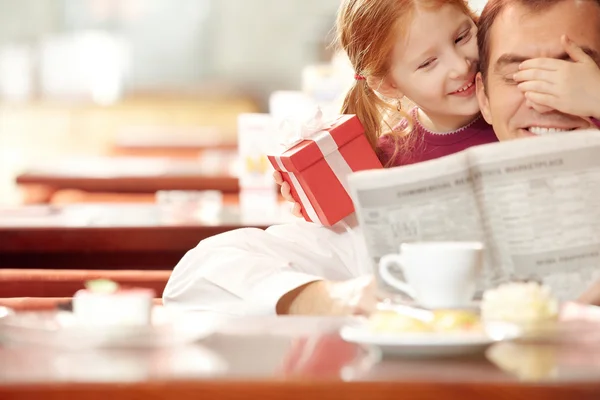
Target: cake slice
{"x":104,"y":303}
{"x":529,"y":305}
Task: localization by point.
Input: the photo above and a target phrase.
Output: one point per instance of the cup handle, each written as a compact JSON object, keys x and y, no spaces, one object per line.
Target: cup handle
{"x":385,"y":263}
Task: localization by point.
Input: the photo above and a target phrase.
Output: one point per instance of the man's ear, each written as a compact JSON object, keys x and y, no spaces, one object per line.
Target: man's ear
{"x":385,"y":87}
{"x":484,"y":102}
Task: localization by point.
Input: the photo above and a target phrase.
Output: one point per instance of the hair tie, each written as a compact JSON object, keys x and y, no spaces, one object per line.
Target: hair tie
{"x":359,"y":77}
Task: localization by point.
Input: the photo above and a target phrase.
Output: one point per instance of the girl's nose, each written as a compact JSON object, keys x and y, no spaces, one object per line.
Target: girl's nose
{"x":461,"y":67}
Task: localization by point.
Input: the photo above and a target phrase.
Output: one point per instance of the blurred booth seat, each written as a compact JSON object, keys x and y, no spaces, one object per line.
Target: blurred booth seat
{"x":56,"y":283}
{"x":41,"y":303}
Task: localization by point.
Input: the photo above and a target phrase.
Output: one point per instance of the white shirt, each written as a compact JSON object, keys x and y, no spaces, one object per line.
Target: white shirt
{"x":247,"y":271}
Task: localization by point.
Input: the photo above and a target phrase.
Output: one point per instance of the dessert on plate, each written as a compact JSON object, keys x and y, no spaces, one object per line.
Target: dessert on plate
{"x":104,"y":303}
{"x":529,"y":305}
{"x":438,"y":321}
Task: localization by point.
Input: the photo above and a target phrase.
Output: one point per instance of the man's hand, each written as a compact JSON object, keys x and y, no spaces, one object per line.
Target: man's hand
{"x":354,"y":297}
{"x":571,"y":87}
{"x":287,"y":193}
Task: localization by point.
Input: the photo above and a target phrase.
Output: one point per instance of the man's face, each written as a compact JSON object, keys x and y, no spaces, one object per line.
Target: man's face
{"x":519,"y":34}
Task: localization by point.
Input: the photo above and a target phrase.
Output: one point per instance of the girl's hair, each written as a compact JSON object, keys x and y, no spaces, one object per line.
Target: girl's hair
{"x":366,"y":30}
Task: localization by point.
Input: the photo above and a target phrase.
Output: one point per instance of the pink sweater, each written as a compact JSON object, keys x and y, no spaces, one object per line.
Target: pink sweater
{"x":424,"y":145}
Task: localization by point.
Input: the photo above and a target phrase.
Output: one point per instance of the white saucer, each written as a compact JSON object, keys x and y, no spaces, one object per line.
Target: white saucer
{"x":61,"y":329}
{"x":474,"y":305}
{"x":5,"y":311}
{"x":426,"y":344}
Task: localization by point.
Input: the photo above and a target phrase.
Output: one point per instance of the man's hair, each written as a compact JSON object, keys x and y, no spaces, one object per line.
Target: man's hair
{"x":490,"y":13}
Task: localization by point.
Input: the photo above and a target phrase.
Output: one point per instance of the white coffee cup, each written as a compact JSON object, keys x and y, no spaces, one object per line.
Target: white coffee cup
{"x":438,"y":274}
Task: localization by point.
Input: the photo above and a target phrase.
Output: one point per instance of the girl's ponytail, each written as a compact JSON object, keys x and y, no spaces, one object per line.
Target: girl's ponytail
{"x":377,"y":116}
{"x":364,"y":102}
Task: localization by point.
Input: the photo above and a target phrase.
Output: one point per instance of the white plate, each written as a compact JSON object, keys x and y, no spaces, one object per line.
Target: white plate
{"x":474,"y":305}
{"x":60,"y":329}
{"x":420,"y":344}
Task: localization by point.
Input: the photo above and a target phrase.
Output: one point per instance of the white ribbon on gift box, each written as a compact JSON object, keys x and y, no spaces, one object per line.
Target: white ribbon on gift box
{"x":298,"y":129}
{"x":314,"y":130}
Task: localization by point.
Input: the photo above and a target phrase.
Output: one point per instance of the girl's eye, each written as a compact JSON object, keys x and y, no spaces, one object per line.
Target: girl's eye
{"x":426,"y":64}
{"x":465,"y":36}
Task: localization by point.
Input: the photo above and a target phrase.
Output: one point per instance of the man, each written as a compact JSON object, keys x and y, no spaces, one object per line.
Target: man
{"x":308,"y":269}
{"x":536,"y":57}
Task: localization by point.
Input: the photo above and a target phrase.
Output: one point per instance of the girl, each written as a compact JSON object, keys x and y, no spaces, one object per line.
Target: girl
{"x":422,"y":50}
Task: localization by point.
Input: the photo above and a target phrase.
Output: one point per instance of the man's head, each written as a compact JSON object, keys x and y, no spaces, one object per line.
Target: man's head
{"x":512,"y":31}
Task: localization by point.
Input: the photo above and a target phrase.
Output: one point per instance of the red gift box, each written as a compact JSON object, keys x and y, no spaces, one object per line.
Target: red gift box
{"x":318,"y":166}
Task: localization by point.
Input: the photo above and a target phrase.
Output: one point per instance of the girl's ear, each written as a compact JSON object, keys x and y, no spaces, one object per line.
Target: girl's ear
{"x":384,"y":86}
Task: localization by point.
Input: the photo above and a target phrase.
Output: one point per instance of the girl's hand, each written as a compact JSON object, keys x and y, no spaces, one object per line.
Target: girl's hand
{"x":287,"y":194}
{"x":571,"y":87}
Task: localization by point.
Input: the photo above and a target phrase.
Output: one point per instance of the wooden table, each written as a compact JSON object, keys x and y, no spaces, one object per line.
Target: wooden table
{"x":180,"y":142}
{"x":133,"y":174}
{"x":295,"y":358}
{"x":108,"y":236}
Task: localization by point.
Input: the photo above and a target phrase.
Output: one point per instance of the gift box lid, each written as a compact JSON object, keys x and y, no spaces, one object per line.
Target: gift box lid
{"x":343,"y":130}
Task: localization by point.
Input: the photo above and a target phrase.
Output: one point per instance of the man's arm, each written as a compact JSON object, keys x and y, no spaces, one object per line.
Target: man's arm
{"x":250,"y":271}
{"x":310,"y":299}
{"x":350,"y":297}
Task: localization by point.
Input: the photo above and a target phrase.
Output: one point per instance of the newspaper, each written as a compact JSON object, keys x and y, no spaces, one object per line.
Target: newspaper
{"x":534,"y":202}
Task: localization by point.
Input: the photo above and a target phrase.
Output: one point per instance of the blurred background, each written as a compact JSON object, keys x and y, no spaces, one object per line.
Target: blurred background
{"x":78,"y":77}
{"x":131,"y":130}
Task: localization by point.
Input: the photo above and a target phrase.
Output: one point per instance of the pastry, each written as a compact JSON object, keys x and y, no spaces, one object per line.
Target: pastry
{"x":104,"y":303}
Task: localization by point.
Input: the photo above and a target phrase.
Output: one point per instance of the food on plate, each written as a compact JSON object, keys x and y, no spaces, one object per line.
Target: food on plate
{"x":453,"y":320}
{"x":438,"y":321}
{"x":393,"y":322}
{"x":104,"y":303}
{"x":528,"y":304}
